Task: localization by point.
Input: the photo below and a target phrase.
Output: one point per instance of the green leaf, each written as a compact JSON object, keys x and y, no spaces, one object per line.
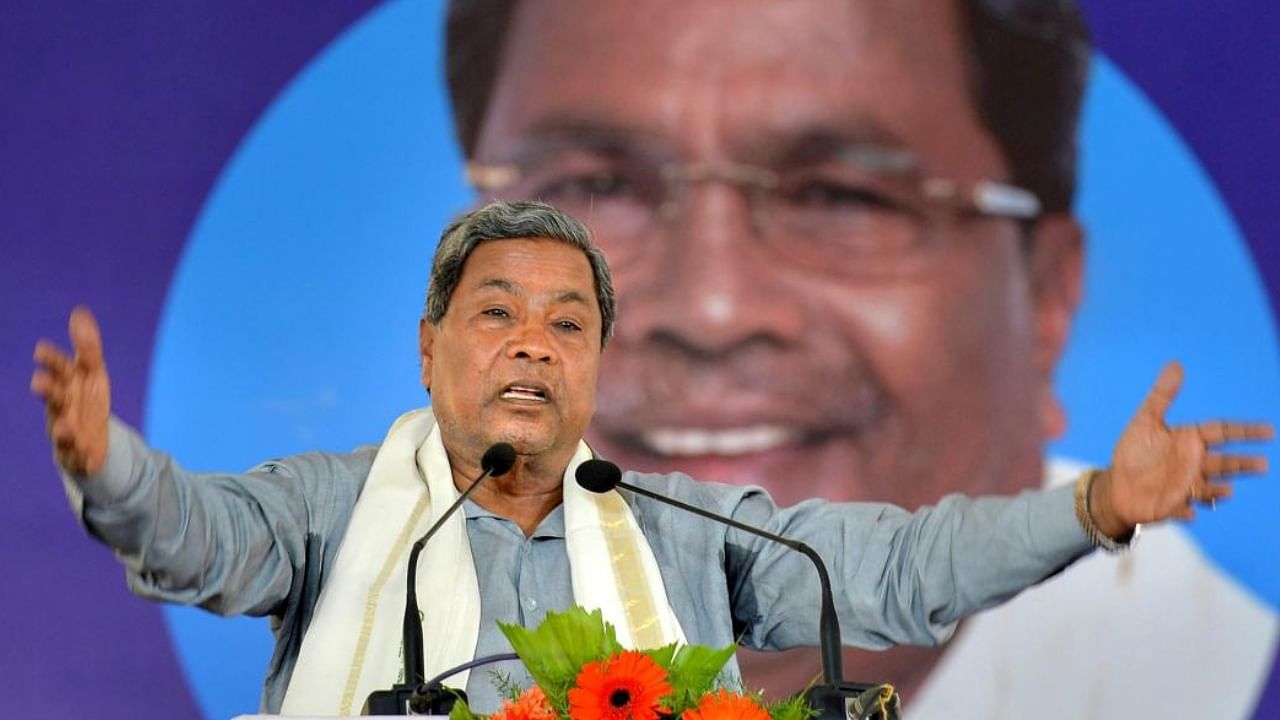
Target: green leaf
{"x":507,"y":688}
{"x":556,"y":650}
{"x":793,"y":708}
{"x":693,"y":672}
{"x":663,"y":656}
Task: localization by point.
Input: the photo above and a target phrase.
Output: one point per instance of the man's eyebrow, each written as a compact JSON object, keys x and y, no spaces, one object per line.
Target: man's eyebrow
{"x":502,"y":284}
{"x":572,"y":296}
{"x":557,"y":133}
{"x":822,"y":142}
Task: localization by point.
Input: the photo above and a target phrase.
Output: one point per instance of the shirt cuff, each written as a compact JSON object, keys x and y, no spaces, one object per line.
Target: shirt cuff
{"x":1054,"y":516}
{"x":116,"y":480}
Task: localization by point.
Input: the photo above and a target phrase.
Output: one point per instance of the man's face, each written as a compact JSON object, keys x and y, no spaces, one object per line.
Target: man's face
{"x":739,"y":356}
{"x":516,"y":356}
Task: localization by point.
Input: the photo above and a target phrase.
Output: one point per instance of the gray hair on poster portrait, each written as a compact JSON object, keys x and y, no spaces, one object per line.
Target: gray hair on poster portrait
{"x":1029,"y":61}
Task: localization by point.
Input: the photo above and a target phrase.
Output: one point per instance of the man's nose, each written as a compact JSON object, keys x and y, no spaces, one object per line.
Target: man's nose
{"x":718,"y":287}
{"x":531,"y":341}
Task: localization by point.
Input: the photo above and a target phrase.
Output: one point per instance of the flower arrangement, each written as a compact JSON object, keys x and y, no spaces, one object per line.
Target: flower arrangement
{"x":581,"y":672}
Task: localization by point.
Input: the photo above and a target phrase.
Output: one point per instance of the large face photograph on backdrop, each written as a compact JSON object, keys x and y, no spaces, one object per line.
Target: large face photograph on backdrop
{"x":863,"y":251}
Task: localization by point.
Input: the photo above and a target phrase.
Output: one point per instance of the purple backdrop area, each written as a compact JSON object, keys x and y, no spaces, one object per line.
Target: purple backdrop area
{"x":1214,"y":70}
{"x":117,"y":119}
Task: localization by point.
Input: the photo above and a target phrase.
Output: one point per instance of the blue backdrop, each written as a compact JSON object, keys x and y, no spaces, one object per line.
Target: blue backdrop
{"x":248,"y":198}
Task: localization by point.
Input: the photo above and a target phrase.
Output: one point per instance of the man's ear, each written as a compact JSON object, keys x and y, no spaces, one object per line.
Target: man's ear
{"x":426,"y":348}
{"x":1056,"y":260}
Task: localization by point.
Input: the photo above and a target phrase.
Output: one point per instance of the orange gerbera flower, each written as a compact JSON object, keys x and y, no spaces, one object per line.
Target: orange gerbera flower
{"x":627,"y":686}
{"x":724,"y":705}
{"x":531,"y":705}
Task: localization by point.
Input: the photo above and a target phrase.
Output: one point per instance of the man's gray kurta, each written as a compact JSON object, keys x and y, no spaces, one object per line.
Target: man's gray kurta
{"x":264,"y":542}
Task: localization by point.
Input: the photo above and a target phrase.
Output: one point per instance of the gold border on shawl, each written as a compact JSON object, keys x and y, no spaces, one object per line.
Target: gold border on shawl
{"x":628,"y":572}
{"x":371,"y":603}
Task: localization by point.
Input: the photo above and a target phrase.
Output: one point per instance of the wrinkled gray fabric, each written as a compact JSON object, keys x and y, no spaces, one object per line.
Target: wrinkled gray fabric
{"x":262,"y":542}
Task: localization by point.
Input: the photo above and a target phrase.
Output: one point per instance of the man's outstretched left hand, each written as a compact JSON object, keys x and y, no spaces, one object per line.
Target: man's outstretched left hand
{"x":1159,"y":472}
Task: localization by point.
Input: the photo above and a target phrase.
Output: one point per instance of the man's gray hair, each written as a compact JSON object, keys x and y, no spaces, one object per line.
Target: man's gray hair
{"x":510,"y":221}
{"x":1027,"y":65}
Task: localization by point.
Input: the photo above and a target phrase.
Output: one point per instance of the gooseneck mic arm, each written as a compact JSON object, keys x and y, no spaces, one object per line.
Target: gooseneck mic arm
{"x":601,"y":476}
{"x":470,"y":665}
{"x":497,"y":460}
{"x":412,"y":695}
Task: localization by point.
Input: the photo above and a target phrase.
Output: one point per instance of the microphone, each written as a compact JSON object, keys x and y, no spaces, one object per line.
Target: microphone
{"x":832,"y":696}
{"x":412,"y":696}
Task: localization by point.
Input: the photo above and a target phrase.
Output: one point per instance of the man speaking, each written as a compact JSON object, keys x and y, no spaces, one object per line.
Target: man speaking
{"x":519,"y":309}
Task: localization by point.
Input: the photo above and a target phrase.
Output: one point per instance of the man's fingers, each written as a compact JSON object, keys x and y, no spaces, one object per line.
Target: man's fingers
{"x":65,"y":382}
{"x":51,"y":391}
{"x":1162,"y":392}
{"x":85,"y":338}
{"x":41,"y":383}
{"x":1215,"y":492}
{"x":1210,"y":492}
{"x":52,"y":359}
{"x":1216,"y":465}
{"x":1220,"y":431}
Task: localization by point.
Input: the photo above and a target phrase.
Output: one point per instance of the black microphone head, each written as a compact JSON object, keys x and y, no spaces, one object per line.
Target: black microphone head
{"x":498,"y":459}
{"x":598,"y":476}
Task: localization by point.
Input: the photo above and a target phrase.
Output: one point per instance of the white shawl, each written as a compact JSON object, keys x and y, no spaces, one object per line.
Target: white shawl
{"x":353,"y":644}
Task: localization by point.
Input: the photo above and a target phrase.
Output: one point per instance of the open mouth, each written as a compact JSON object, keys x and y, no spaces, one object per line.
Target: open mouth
{"x":522,"y":392}
{"x":690,"y":442}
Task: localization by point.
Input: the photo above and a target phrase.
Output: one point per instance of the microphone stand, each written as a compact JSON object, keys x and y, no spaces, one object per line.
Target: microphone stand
{"x":835,"y":698}
{"x":828,"y":623}
{"x":413,"y":696}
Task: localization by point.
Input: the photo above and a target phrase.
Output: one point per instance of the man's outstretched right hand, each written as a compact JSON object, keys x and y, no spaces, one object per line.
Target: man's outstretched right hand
{"x":77,"y":395}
